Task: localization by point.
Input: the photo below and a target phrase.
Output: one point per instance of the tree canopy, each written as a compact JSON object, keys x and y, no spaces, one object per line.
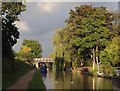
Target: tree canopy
{"x":110,"y":55}
{"x":88,"y":31}
{"x":25,"y":49}
{"x":36,"y":47}
{"x":9,"y":14}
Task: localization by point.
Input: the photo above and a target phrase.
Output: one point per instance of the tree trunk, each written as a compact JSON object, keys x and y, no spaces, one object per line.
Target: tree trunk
{"x":97,"y":54}
{"x":93,"y":58}
{"x":91,"y":55}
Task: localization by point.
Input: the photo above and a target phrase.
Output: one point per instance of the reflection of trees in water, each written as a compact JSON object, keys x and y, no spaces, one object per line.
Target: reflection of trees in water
{"x":71,"y":77}
{"x":58,"y":76}
{"x":71,"y":80}
{"x":85,"y":82}
{"x":101,"y":83}
{"x":43,"y":74}
{"x":90,"y":82}
{"x":116,"y":84}
{"x":80,"y":81}
{"x":62,"y":80}
{"x":63,"y":76}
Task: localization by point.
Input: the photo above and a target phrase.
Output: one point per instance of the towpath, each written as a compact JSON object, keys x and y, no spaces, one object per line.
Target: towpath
{"x":23,"y":82}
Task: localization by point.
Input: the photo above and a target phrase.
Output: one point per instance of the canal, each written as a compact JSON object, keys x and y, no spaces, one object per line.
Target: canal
{"x":68,"y":80}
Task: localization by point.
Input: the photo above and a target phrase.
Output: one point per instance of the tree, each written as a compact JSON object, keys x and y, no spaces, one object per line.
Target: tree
{"x":52,"y":54}
{"x":110,"y":56}
{"x":88,"y":31}
{"x":9,"y":14}
{"x":25,"y":49}
{"x":89,"y":28}
{"x":30,"y":49}
{"x":58,"y":52}
{"x":36,"y":47}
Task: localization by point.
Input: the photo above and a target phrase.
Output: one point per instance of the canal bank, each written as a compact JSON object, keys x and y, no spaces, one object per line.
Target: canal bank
{"x":95,"y":73}
{"x":98,"y":75}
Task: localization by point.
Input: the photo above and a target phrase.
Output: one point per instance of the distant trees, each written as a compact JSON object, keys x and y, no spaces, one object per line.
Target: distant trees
{"x":36,"y":47}
{"x":30,"y":49}
{"x":25,"y":49}
{"x":88,"y":32}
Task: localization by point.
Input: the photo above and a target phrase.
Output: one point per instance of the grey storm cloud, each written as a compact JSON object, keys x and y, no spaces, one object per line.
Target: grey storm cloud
{"x":42,"y":19}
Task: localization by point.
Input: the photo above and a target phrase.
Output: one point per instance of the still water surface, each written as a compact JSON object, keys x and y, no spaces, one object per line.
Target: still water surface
{"x":68,"y":80}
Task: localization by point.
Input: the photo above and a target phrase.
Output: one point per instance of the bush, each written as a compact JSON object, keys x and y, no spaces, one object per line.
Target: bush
{"x":94,"y":71}
{"x":110,"y":70}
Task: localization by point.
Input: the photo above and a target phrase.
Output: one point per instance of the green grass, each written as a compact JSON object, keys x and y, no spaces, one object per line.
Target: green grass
{"x":12,"y":70}
{"x":37,"y":81}
{"x":93,"y":72}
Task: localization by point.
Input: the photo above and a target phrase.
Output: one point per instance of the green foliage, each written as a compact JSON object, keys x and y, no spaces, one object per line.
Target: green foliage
{"x":36,"y":47}
{"x":30,"y":49}
{"x":54,"y":67}
{"x":11,"y":70}
{"x":9,"y":14}
{"x":105,"y":59}
{"x":58,"y":53}
{"x":109,"y":71}
{"x":88,"y":31}
{"x":37,"y":81}
{"x":12,"y":9}
{"x":24,"y":56}
{"x":94,"y":72}
{"x":25,"y":49}
{"x":52,"y":54}
{"x":110,"y":56}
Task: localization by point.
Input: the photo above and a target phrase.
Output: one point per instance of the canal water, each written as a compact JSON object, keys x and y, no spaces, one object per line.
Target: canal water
{"x":68,"y":80}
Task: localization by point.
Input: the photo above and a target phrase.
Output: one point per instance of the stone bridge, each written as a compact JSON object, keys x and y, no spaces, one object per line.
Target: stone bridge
{"x":38,"y":61}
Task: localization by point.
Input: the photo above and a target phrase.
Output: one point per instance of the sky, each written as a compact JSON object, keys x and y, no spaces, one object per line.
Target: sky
{"x":41,"y":20}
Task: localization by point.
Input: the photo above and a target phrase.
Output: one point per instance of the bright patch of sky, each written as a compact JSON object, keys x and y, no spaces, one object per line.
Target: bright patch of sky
{"x":42,"y":19}
{"x":22,"y":25}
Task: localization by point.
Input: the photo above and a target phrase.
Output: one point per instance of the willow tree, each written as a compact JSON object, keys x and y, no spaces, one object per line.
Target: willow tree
{"x":58,"y":50}
{"x":70,"y":53}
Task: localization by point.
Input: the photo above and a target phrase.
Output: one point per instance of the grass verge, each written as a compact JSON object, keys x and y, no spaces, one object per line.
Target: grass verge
{"x":36,"y":82}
